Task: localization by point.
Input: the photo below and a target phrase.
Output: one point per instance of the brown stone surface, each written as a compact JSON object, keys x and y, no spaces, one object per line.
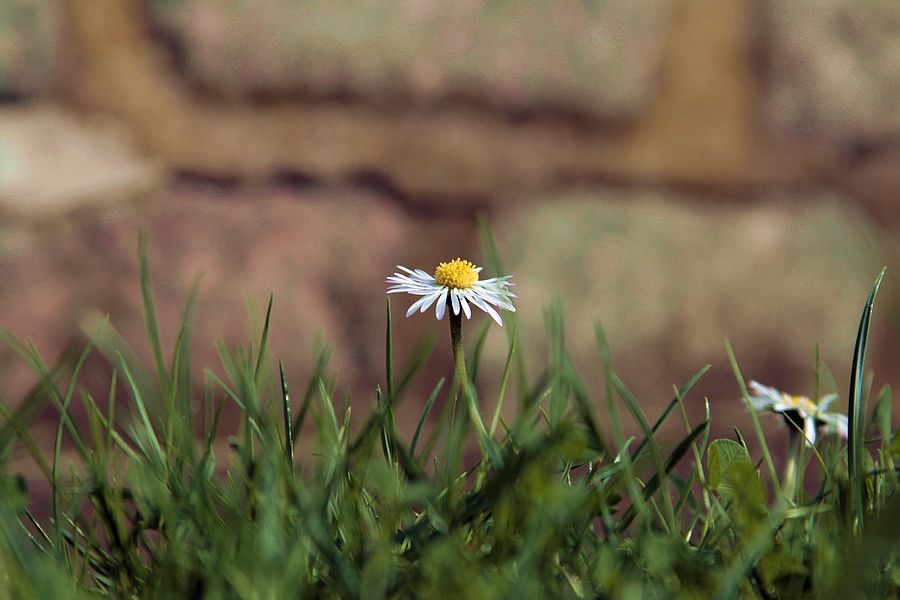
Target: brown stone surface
{"x":723,"y":143}
{"x":31,"y":47}
{"x":835,"y":68}
{"x":324,"y":256}
{"x":597,"y":58}
{"x":52,"y":161}
{"x":724,"y":96}
{"x":671,"y":279}
{"x":700,"y":129}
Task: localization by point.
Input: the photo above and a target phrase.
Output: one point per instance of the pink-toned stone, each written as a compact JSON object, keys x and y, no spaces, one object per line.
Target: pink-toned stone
{"x":323,"y":255}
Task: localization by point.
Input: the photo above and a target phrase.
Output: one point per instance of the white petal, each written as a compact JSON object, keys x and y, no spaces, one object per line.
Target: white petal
{"x":441,"y":305}
{"x":417,"y":277}
{"x":495,"y":297}
{"x":424,"y":302}
{"x":765,"y":391}
{"x":415,"y":306}
{"x":480,"y":303}
{"x":412,"y":274}
{"x":782,"y":406}
{"x":826,"y":401}
{"x":760,"y":403}
{"x":809,"y":429}
{"x":465,"y":306}
{"x":454,"y":300}
{"x":494,"y":315}
{"x":836,"y":423}
{"x":475,"y":299}
{"x":417,"y":291}
{"x":431,"y":299}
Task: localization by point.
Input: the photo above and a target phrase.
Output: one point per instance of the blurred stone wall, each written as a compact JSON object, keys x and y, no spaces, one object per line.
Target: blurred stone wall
{"x":683,"y":170}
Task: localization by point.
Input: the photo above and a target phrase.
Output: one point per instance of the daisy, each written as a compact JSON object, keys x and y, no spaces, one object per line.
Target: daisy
{"x":455,"y":283}
{"x":799,"y":410}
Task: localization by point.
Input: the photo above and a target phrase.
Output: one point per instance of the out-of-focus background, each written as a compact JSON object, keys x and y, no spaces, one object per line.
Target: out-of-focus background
{"x":683,"y":171}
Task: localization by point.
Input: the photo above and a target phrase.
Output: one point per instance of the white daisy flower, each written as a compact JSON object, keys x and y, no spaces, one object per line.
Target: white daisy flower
{"x":456,"y":284}
{"x":795,"y":408}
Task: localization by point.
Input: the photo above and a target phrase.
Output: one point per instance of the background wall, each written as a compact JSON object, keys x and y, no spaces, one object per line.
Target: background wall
{"x":682,"y":170}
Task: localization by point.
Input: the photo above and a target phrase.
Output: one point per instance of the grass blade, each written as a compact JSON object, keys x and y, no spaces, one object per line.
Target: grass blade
{"x":423,"y":349}
{"x":654,"y":482}
{"x":754,"y":418}
{"x":641,"y":420}
{"x":263,"y":342}
{"x":680,"y":393}
{"x":856,"y":408}
{"x":63,"y":416}
{"x":150,"y":433}
{"x":501,"y":395}
{"x":151,"y":322}
{"x":495,"y":264}
{"x":286,"y":403}
{"x":428,"y":405}
{"x":389,"y":351}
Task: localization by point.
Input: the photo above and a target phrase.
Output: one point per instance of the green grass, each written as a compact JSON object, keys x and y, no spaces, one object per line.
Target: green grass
{"x":309,"y":501}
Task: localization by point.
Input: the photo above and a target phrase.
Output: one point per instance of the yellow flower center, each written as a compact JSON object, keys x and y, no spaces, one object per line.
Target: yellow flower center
{"x":458,"y":273}
{"x":804,"y":404}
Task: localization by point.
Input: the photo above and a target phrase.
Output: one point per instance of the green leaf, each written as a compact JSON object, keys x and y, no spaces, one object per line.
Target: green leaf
{"x":895,"y":444}
{"x":740,"y":481}
{"x":720,"y":456}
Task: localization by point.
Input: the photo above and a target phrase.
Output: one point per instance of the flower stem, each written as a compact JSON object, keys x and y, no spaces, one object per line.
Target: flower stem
{"x":462,"y":380}
{"x":792,"y":466}
{"x":459,"y":357}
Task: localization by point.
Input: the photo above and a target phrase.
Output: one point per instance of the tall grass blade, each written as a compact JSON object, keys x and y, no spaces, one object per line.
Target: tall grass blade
{"x":487,"y":442}
{"x":63,"y":416}
{"x":492,"y":258}
{"x":474,"y":362}
{"x":680,"y":393}
{"x":419,"y":356}
{"x":638,"y":499}
{"x":151,"y":322}
{"x":158,"y":457}
{"x":856,"y":409}
{"x":40,"y":394}
{"x":866,"y":555}
{"x":654,"y":482}
{"x":286,"y":413}
{"x":263,"y":342}
{"x":389,"y":351}
{"x":16,"y":426}
{"x":323,"y":354}
{"x":428,"y":406}
{"x":754,"y":418}
{"x":641,"y":420}
{"x":501,"y":395}
{"x":741,"y":569}
{"x":179,"y":417}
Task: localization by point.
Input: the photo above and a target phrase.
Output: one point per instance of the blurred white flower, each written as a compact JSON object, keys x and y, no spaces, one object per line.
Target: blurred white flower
{"x":794,"y":408}
{"x":455,"y":283}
